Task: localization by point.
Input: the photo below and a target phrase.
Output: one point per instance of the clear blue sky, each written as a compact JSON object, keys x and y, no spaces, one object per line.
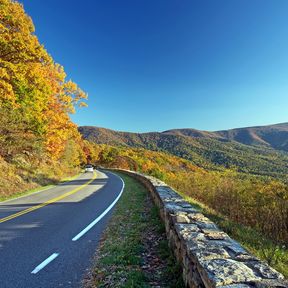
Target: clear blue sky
{"x":152,"y":65}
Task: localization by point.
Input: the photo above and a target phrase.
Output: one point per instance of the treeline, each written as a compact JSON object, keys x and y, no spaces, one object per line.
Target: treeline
{"x":257,"y":202}
{"x":206,"y":152}
{"x":37,"y":136}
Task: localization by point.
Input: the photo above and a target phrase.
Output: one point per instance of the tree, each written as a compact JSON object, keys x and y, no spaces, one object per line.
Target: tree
{"x":33,"y":86}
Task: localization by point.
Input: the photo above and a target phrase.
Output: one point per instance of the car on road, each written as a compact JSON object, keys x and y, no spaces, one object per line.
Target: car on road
{"x":89,"y":168}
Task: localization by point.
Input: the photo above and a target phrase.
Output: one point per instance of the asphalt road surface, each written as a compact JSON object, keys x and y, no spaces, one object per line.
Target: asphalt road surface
{"x":48,"y":239}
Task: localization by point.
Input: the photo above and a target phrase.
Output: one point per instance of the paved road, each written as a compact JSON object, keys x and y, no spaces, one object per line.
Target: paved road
{"x":48,"y":239}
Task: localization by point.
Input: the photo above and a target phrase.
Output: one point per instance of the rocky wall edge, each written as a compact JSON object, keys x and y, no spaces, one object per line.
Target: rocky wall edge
{"x":208,"y":256}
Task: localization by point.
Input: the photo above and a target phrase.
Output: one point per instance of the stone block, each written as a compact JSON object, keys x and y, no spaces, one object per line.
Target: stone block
{"x":205,"y":223}
{"x":207,"y":251}
{"x":173,"y":207}
{"x":237,"y":286}
{"x":219,"y":272}
{"x":263,"y":270}
{"x":187,"y":231}
{"x":215,"y":234}
{"x":271,"y":284}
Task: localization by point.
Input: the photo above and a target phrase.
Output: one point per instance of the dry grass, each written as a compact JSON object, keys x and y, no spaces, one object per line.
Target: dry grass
{"x":133,"y":251}
{"x":16,"y":180}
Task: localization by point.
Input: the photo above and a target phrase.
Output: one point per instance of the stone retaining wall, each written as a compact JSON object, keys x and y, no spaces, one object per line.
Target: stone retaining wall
{"x":209,"y":257}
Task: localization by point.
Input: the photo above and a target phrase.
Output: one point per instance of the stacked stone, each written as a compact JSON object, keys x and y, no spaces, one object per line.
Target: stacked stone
{"x":209,"y":257}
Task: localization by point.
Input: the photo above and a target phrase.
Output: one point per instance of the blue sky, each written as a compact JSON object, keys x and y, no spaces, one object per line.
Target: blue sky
{"x":153,"y":65}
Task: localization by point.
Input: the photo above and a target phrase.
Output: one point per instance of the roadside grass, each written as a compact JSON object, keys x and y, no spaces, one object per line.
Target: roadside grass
{"x":133,"y":251}
{"x":255,"y":242}
{"x":37,"y":189}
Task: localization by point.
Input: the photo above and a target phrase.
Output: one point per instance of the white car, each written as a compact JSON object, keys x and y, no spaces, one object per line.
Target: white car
{"x":89,"y":168}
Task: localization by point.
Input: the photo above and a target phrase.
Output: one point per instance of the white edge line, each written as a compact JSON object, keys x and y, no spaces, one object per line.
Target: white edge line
{"x":85,"y":230}
{"x":45,"y":263}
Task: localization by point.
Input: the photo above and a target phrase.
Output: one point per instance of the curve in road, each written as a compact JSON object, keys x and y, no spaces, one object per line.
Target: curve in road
{"x":48,"y":239}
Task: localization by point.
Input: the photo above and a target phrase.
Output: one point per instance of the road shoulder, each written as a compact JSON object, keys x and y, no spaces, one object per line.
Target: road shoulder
{"x":38,"y":189}
{"x":133,"y":251}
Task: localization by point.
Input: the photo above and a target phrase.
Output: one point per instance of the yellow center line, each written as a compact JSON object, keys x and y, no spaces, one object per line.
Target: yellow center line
{"x":53,"y":200}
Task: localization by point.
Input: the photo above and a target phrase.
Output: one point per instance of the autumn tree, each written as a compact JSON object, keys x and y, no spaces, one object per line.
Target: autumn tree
{"x":35,"y":97}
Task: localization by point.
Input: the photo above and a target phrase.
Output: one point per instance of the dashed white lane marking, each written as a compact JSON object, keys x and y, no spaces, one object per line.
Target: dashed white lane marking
{"x":85,"y":230}
{"x":45,"y":263}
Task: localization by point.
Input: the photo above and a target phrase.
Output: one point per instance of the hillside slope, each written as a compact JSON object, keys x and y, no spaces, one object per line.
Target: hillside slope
{"x":230,"y":193}
{"x":210,"y":150}
{"x":274,"y":136}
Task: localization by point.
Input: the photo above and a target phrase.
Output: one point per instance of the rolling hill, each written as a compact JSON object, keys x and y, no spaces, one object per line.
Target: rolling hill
{"x":274,"y":136}
{"x":256,"y":150}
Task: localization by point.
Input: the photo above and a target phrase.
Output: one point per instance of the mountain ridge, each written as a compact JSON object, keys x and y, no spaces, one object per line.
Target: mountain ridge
{"x":210,"y":150}
{"x":274,"y":136}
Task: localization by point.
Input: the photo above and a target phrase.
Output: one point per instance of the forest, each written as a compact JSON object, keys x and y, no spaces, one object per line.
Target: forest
{"x":38,"y":140}
{"x":203,"y":150}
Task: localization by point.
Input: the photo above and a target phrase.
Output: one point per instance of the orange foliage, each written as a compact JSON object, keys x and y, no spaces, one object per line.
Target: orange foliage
{"x":33,"y":85}
{"x":249,"y":200}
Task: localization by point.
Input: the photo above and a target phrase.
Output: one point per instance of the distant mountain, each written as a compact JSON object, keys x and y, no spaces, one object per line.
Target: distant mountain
{"x":259,"y":150}
{"x":275,"y":136}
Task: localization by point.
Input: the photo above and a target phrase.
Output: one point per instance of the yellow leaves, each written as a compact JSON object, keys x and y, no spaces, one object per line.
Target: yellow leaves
{"x":31,"y":81}
{"x":70,"y":86}
{"x":3,"y":74}
{"x":83,"y":104}
{"x":17,"y":43}
{"x":157,"y":163}
{"x":14,"y":17}
{"x":71,"y":95}
{"x":6,"y":92}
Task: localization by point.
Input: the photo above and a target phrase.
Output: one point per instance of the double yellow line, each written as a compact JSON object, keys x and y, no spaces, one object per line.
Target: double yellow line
{"x":33,"y":208}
